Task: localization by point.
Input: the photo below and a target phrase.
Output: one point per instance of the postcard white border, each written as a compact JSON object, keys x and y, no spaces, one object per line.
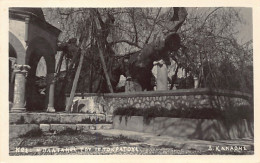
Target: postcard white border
{"x":4,"y":117}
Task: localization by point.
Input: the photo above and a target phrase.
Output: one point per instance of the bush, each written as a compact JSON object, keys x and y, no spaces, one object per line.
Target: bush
{"x":33,"y":133}
{"x":68,"y":131}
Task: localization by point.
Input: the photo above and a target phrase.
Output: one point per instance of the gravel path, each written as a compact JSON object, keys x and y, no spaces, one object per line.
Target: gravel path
{"x":97,"y":144}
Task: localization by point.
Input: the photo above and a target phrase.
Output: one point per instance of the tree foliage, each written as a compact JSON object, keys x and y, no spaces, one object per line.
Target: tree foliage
{"x":210,"y":50}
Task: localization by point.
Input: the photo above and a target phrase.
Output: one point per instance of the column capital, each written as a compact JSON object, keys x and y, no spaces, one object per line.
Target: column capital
{"x":21,"y":68}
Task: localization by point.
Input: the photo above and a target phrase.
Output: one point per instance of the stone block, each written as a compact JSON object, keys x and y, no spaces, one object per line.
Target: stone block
{"x":187,"y":104}
{"x":79,"y":118}
{"x":92,"y":127}
{"x":152,"y":103}
{"x":109,"y":118}
{"x":62,"y":127}
{"x":107,"y":126}
{"x":83,"y":127}
{"x":164,"y":98}
{"x":163,"y":105}
{"x":45,"y":127}
{"x":91,"y":105}
{"x":137,"y":105}
{"x":157,"y":103}
{"x":45,"y":118}
{"x":133,"y":123}
{"x":147,"y":103}
{"x":168,"y":106}
{"x":33,"y":118}
{"x":100,"y":118}
{"x":190,"y":97}
{"x":70,"y":118}
{"x":131,"y":101}
{"x":204,"y":102}
{"x":103,"y":126}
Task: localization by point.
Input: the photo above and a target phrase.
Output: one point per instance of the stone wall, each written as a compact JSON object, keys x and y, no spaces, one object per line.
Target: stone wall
{"x":174,"y":99}
{"x":203,"y":129}
{"x":21,"y":124}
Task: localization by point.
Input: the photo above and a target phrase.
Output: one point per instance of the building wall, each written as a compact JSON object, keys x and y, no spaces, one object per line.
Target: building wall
{"x":37,"y":31}
{"x":18,"y":29}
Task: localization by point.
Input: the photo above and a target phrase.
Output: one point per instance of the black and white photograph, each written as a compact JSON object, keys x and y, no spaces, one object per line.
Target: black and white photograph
{"x":130,"y":81}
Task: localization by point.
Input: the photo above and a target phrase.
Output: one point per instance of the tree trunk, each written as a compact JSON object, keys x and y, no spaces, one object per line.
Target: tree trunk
{"x":101,"y":40}
{"x":104,"y":68}
{"x":75,"y":83}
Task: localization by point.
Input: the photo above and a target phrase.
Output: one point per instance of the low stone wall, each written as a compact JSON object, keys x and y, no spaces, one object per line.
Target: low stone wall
{"x":178,"y":99}
{"x":57,"y":118}
{"x":23,"y":123}
{"x":203,"y":129}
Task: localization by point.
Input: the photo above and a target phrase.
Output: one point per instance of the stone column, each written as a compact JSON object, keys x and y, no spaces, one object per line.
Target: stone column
{"x":51,"y":84}
{"x":196,"y":82}
{"x":162,"y":75}
{"x":19,"y":87}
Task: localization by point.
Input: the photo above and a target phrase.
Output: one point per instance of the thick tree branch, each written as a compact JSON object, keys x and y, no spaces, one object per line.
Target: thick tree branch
{"x":154,"y":23}
{"x":132,"y":15}
{"x":125,"y":41}
{"x":102,"y":24}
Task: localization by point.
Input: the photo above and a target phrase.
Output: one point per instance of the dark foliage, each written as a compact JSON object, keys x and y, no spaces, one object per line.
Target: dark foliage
{"x":232,"y":113}
{"x":33,"y":133}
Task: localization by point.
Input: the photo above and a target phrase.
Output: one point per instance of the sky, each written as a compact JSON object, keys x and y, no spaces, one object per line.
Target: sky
{"x":246,"y":30}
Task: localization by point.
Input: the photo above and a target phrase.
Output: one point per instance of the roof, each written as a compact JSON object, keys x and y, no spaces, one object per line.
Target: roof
{"x":37,"y":12}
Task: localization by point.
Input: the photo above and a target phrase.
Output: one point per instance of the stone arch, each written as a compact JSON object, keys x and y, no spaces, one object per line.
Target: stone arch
{"x":38,"y":48}
{"x":12,"y":51}
{"x":18,"y":47}
{"x":12,"y":60}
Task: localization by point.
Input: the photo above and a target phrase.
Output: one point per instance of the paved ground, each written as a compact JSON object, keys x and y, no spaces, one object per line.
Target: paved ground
{"x":183,"y":143}
{"x":128,"y":142}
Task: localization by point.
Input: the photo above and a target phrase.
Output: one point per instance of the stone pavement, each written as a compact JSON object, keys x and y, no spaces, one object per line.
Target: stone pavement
{"x":181,"y":143}
{"x":145,"y":144}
